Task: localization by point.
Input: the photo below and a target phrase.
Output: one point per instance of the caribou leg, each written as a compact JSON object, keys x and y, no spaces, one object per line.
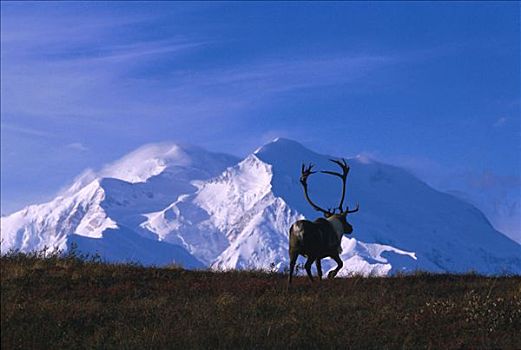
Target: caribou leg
{"x":319,"y":268}
{"x":308,"y":265}
{"x":292,"y":261}
{"x":333,"y":273}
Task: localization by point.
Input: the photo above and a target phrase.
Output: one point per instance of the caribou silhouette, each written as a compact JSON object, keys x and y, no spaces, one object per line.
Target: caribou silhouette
{"x":320,"y":238}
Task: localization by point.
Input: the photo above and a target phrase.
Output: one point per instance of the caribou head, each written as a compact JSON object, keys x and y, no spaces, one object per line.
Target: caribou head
{"x":321,"y":238}
{"x":331,"y":213}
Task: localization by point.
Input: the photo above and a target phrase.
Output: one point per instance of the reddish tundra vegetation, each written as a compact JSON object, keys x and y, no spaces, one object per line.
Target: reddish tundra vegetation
{"x":69,"y":302}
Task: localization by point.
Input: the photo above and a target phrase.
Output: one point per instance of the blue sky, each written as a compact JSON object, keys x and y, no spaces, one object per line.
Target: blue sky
{"x":434,"y":87}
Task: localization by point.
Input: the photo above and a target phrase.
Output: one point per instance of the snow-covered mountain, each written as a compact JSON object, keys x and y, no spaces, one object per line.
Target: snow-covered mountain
{"x":499,"y":199}
{"x":168,"y":203}
{"x":102,"y":212}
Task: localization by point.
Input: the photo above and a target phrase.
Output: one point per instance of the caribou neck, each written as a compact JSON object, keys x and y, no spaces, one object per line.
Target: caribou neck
{"x":337,"y":226}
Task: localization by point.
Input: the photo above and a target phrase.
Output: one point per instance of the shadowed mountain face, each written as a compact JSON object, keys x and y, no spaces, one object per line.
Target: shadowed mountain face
{"x":181,"y":204}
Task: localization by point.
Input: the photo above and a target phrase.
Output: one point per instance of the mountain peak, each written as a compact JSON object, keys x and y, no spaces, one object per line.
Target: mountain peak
{"x":152,"y":159}
{"x":279,"y":143}
{"x":232,"y":214}
{"x":146,"y":161}
{"x":283,"y":148}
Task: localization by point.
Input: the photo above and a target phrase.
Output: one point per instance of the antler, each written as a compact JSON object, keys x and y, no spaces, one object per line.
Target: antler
{"x":305,"y":172}
{"x":354,"y":210}
{"x":343,"y":176}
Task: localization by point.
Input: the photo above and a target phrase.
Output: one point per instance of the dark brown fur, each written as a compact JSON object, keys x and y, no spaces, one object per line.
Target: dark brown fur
{"x":317,"y":240}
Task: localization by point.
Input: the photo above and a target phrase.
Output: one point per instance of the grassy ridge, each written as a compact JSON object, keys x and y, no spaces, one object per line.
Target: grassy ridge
{"x":69,"y":303}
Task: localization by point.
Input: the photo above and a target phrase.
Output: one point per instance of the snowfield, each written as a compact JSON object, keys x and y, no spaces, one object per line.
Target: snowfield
{"x":169,"y":203}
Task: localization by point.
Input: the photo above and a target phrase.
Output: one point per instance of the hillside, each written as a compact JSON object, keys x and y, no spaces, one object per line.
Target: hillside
{"x":69,"y":303}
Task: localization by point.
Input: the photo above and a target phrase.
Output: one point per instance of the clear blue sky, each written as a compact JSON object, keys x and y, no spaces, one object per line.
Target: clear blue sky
{"x":431,"y":86}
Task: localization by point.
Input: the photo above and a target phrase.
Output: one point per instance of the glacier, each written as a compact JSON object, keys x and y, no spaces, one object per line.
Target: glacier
{"x":181,"y":204}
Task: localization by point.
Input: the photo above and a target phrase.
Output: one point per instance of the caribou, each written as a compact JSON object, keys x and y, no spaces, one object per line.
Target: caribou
{"x":320,"y":238}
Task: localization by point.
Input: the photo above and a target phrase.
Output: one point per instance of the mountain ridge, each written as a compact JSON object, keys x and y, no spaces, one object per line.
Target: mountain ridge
{"x":214,"y":210}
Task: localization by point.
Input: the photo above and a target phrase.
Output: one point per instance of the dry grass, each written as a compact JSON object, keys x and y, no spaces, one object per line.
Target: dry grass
{"x":68,"y":302}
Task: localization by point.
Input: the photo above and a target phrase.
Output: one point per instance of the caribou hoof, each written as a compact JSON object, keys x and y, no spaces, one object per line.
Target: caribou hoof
{"x":331,"y":274}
